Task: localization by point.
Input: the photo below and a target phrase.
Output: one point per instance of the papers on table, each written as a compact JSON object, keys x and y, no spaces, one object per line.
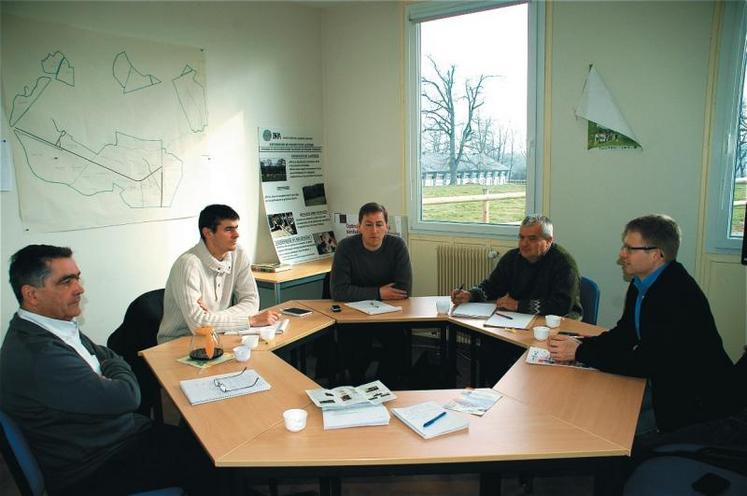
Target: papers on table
{"x":474,"y":310}
{"x":430,"y":419}
{"x":373,"y":393}
{"x":373,"y":307}
{"x":357,"y":416}
{"x":280,"y":326}
{"x":475,"y":401}
{"x":205,"y":389}
{"x":514,"y":320}
{"x":541,"y":356}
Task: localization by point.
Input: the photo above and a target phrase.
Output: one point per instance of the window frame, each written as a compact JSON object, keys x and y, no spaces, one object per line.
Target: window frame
{"x":732,"y":61}
{"x":414,"y":15}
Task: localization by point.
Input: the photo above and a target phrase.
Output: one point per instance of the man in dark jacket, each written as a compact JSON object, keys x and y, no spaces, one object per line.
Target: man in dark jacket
{"x":74,"y":400}
{"x":666,"y":334}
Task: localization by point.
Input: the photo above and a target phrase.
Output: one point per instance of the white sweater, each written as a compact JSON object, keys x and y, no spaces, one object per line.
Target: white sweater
{"x":226,"y":287}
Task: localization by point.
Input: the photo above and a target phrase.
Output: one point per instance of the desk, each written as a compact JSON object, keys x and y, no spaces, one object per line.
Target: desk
{"x":548,"y":415}
{"x":301,"y":276}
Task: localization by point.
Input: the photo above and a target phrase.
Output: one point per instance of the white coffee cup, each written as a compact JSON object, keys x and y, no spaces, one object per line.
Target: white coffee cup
{"x":242,"y":353}
{"x":541,"y":333}
{"x":252,"y":341}
{"x":443,"y":305}
{"x":552,"y":320}
{"x":295,"y":419}
{"x":268,"y":334}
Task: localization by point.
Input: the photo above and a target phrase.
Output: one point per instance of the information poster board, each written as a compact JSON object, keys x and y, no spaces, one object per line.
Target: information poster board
{"x":291,"y":168}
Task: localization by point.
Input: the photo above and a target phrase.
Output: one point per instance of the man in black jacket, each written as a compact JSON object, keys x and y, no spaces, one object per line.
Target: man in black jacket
{"x":74,"y":400}
{"x":666,"y":334}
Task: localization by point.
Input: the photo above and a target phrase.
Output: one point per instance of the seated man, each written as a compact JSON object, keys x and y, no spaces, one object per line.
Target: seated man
{"x":666,"y":334}
{"x":74,"y":400}
{"x":212,"y":282}
{"x":537,"y":277}
{"x":371,"y":265}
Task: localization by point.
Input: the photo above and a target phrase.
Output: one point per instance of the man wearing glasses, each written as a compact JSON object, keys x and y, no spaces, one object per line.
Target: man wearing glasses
{"x":666,"y":334}
{"x":74,"y":400}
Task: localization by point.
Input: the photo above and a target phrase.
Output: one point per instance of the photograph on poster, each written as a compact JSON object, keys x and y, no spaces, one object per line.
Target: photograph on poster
{"x":282,"y":225}
{"x":325,"y":242}
{"x":314,"y":195}
{"x":273,"y":171}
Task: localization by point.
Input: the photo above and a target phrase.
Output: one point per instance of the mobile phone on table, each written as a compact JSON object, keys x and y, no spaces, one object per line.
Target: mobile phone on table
{"x":336,"y":308}
{"x":295,"y":311}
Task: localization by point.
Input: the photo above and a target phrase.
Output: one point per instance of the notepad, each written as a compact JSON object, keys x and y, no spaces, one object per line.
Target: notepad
{"x":359,"y":416}
{"x":417,"y":416}
{"x":373,"y":307}
{"x":474,"y":310}
{"x":204,"y":389}
{"x":517,"y":320}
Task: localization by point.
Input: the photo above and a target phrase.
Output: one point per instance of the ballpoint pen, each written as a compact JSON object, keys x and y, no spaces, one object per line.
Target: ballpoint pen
{"x":503,"y":315}
{"x":433,"y":420}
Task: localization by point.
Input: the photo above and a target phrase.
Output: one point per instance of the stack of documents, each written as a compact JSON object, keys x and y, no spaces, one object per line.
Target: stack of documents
{"x":474,"y":310}
{"x":373,"y":307}
{"x":358,"y":416}
{"x":429,"y":419}
{"x":204,"y":389}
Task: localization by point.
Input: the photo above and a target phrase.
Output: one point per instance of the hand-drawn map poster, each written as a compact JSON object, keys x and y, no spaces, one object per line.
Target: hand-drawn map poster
{"x":106,"y":130}
{"x":292,"y":176}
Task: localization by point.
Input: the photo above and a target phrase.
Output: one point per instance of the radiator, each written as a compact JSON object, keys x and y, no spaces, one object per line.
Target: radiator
{"x":467,"y":265}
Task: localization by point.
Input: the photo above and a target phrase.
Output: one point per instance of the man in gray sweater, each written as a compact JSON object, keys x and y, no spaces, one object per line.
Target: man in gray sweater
{"x":74,"y":400}
{"x":371,"y":265}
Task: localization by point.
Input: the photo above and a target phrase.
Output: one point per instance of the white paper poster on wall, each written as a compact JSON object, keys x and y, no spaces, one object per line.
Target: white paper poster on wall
{"x":106,"y":129}
{"x":607,"y":128}
{"x":291,"y":169}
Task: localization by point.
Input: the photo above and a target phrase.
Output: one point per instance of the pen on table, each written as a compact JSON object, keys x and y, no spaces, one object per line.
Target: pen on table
{"x":503,"y":315}
{"x":434,"y":419}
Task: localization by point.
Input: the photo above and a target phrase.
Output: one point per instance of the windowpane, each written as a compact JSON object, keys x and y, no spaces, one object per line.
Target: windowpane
{"x":739,"y":193}
{"x":473,"y":117}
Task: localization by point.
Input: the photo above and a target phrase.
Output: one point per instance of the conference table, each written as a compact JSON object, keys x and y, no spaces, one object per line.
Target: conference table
{"x":549,"y":419}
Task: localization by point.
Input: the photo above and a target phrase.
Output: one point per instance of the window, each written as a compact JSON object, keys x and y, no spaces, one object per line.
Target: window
{"x":474,"y":88}
{"x":728,"y":178}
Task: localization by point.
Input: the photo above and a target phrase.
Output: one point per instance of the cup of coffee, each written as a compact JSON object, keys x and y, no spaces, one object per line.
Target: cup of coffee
{"x":242,"y":353}
{"x":295,"y":419}
{"x":252,"y":341}
{"x":541,"y":333}
{"x":268,"y":334}
{"x":443,"y":305}
{"x":552,"y":320}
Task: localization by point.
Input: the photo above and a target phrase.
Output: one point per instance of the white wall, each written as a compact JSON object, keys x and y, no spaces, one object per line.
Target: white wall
{"x":264,"y":68}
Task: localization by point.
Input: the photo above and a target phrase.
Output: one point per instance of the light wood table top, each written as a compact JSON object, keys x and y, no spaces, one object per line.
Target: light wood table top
{"x":421,"y":308}
{"x":509,"y":431}
{"x":298,"y":271}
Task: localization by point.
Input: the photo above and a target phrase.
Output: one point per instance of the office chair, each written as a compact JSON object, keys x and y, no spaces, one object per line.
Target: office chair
{"x":25,"y":469}
{"x":590,"y":296}
{"x":137,"y":332}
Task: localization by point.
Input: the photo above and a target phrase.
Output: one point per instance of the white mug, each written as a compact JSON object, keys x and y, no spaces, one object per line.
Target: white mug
{"x":242,"y":353}
{"x":252,"y":341}
{"x":541,"y":333}
{"x":552,"y":320}
{"x":267,"y":334}
{"x":295,"y":419}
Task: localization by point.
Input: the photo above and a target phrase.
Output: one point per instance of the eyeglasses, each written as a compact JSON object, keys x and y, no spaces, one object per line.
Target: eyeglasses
{"x":231,"y":382}
{"x":630,"y":249}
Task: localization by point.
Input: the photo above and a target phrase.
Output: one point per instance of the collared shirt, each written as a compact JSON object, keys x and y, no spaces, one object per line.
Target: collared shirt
{"x":643,"y":287}
{"x":67,"y":331}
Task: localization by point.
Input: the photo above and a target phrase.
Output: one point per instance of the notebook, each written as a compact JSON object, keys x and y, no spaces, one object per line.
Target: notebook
{"x":516,"y":320}
{"x":204,"y":389}
{"x":359,"y":416}
{"x":418,"y":418}
{"x":474,"y":310}
{"x":373,"y":307}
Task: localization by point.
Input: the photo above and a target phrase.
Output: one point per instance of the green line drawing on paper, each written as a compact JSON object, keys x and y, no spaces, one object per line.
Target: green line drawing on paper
{"x":59,"y":66}
{"x":22,"y":102}
{"x":129,"y":78}
{"x":191,"y":95}
{"x":142,"y":171}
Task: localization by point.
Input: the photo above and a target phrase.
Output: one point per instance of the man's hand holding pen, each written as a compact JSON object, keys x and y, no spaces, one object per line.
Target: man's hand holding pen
{"x":459,"y":295}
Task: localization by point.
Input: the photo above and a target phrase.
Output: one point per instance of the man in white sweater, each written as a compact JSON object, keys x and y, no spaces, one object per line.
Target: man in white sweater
{"x":212,"y":282}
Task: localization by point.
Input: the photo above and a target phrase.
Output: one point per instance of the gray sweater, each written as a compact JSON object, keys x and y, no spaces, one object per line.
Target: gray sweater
{"x":358,"y":273}
{"x":72,"y":418}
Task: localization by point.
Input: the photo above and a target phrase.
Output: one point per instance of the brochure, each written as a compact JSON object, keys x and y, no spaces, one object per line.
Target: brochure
{"x":474,"y":401}
{"x":541,"y":356}
{"x":373,"y":393}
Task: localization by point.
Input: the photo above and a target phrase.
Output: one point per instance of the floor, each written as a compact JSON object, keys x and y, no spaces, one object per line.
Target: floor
{"x":425,"y":356}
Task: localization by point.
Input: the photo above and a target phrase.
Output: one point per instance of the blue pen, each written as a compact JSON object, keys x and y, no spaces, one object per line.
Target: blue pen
{"x":433,"y":420}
